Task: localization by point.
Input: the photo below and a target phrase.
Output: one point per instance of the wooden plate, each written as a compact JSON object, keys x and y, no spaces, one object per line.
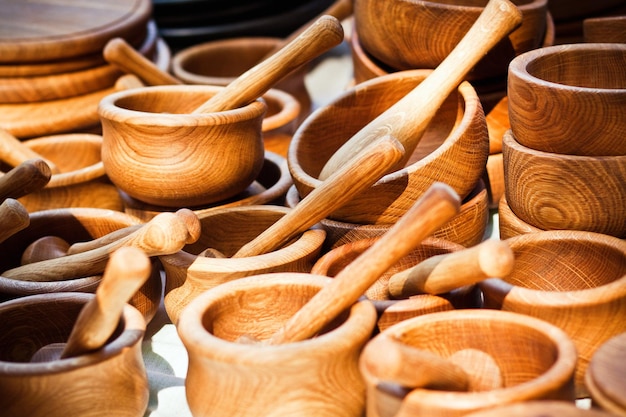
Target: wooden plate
{"x":45,"y":30}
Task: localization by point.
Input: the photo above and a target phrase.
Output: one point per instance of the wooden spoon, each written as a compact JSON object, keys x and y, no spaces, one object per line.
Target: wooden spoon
{"x":409,"y":117}
{"x":13,"y":151}
{"x":318,"y":38}
{"x":355,"y":177}
{"x":165,"y":234}
{"x":29,"y":176}
{"x":443,"y":273}
{"x":436,"y":206}
{"x":13,"y":218}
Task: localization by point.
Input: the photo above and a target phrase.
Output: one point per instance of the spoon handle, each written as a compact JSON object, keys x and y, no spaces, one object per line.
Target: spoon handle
{"x":29,"y":176}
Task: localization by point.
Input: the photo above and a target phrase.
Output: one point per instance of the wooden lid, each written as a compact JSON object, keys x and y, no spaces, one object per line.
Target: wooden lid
{"x":42,"y":30}
{"x":605,"y":375}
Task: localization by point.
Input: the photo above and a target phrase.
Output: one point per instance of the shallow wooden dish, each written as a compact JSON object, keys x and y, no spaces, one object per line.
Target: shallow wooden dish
{"x":179,"y":159}
{"x":550,"y":88}
{"x":558,"y":191}
{"x":604,"y":376}
{"x":509,"y":224}
{"x":73,"y":225}
{"x":111,"y":380}
{"x":573,"y":279}
{"x":536,"y":360}
{"x":188,"y":274}
{"x":455,"y":142}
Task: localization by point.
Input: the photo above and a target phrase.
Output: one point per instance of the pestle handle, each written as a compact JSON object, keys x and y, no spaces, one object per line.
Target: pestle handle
{"x":27,"y":177}
{"x":126,"y":271}
{"x":13,"y":218}
{"x":13,"y":151}
{"x":409,"y":117}
{"x":318,"y":38}
{"x":164,"y":234}
{"x":355,"y":177}
{"x":434,"y":208}
{"x":120,"y":54}
{"x":443,"y":273}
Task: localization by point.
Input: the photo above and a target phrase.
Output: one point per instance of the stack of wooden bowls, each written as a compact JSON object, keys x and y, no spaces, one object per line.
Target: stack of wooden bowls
{"x":564,"y":156}
{"x":53,"y":75}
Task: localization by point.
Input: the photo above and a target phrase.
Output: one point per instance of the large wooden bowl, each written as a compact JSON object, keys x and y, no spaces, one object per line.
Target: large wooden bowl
{"x":453,"y":150}
{"x":575,"y":280}
{"x":188,"y":273}
{"x":570,"y":99}
{"x":109,"y":381}
{"x":534,"y":360}
{"x":318,"y":376}
{"x":157,"y":152}
{"x":558,"y":191}
{"x":73,"y":225}
{"x":410,"y":34}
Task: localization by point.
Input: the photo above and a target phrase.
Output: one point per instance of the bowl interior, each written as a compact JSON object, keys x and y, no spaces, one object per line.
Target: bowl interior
{"x":69,"y":152}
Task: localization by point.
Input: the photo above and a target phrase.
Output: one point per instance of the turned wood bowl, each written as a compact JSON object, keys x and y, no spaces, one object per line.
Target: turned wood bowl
{"x":453,"y":150}
{"x":110,"y":381}
{"x":605,"y":29}
{"x":156,"y":151}
{"x":562,"y":191}
{"x":570,"y":99}
{"x":270,"y":187}
{"x":414,"y":34}
{"x":575,"y":280}
{"x":318,"y":376}
{"x":467,"y":228}
{"x":189,"y":273}
{"x":81,"y":181}
{"x":530,"y":358}
{"x":73,"y":225}
{"x":605,"y":376}
{"x":509,"y":224}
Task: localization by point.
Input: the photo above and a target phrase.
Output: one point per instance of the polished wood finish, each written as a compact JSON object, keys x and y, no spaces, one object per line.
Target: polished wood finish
{"x":14,"y":151}
{"x":13,"y":218}
{"x":46,"y":247}
{"x":30,"y":176}
{"x":509,"y":224}
{"x":605,"y":29}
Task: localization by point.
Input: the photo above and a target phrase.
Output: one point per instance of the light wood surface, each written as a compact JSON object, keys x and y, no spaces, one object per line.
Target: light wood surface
{"x":13,"y":151}
{"x":604,"y":376}
{"x":544,"y":408}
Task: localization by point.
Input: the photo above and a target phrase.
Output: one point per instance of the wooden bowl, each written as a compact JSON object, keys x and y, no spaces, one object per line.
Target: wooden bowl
{"x":573,"y":279}
{"x":455,"y":142}
{"x":109,"y":381}
{"x":604,"y":376}
{"x":188,"y":273}
{"x":534,"y":359}
{"x":546,"y":408}
{"x":270,"y":187}
{"x":317,"y":376}
{"x":559,"y":191}
{"x":81,"y":182}
{"x":509,"y":224}
{"x":467,"y":228}
{"x":73,"y":225}
{"x":179,"y":159}
{"x":549,"y":90}
{"x":280,"y":121}
{"x":606,"y":29}
{"x":415,"y":34}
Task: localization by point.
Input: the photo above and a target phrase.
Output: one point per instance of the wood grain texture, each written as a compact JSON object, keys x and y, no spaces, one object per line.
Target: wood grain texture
{"x":509,"y":224}
{"x":604,"y":376}
{"x":559,"y":102}
{"x":13,"y":151}
{"x":557,"y":191}
{"x":546,"y":408}
{"x":610,"y":29}
{"x":494,"y":173}
{"x":30,"y":176}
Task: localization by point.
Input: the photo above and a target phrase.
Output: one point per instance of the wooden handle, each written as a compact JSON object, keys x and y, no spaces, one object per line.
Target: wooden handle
{"x":13,"y":218}
{"x":27,"y":177}
{"x":355,"y":177}
{"x":443,"y":273}
{"x":321,"y":36}
{"x":438,"y":205}
{"x":14,"y":152}
{"x":126,"y":271}
{"x":409,"y":117}
{"x":165,"y":234}
{"x":390,"y":360}
{"x":119,"y":53}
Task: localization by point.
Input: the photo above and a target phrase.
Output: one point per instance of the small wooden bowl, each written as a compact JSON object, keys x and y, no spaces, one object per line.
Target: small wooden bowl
{"x":509,"y":224}
{"x":179,"y":159}
{"x":605,"y":376}
{"x":453,"y":150}
{"x":81,"y":182}
{"x":606,"y":29}
{"x":280,"y":121}
{"x":557,"y":191}
{"x":546,"y":408}
{"x":317,"y":376}
{"x":467,"y":228}
{"x":109,"y":381}
{"x":270,"y":187}
{"x":73,"y":225}
{"x":549,"y":90}
{"x":420,"y":34}
{"x":536,"y":360}
{"x":573,"y":279}
{"x":188,"y":273}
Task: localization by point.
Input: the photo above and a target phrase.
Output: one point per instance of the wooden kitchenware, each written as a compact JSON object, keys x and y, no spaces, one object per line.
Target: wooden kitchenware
{"x":27,"y":177}
{"x":604,"y":376}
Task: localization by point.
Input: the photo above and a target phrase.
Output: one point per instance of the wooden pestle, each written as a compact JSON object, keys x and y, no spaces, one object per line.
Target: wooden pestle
{"x":13,"y":218}
{"x":443,"y":273}
{"x":355,"y":177}
{"x":46,"y":247}
{"x":409,"y":117}
{"x":318,"y":38}
{"x":14,"y":152}
{"x":165,"y":234}
{"x":29,"y":176}
{"x":434,"y":208}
